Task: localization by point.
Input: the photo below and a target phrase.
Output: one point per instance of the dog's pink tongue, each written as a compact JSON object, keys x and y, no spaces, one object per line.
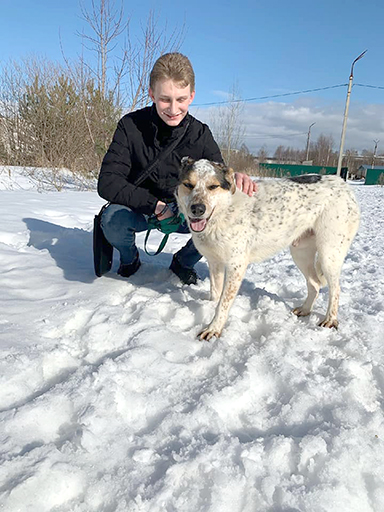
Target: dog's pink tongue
{"x":198,"y":224}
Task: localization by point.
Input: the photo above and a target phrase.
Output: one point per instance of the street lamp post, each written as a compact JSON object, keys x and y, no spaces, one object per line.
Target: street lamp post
{"x":308,"y":138}
{"x":338,"y":172}
{"x":374,"y":153}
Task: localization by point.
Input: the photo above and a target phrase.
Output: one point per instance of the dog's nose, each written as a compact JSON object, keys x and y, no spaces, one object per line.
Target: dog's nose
{"x":198,"y":209}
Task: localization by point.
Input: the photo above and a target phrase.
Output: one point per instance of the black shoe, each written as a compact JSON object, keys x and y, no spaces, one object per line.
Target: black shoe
{"x":186,"y":275}
{"x":130,"y":268}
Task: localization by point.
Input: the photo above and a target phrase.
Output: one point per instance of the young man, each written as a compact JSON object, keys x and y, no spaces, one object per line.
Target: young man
{"x":140,"y":138}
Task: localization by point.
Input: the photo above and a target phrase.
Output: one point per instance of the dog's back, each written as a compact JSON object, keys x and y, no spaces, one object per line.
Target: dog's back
{"x":279,"y":213}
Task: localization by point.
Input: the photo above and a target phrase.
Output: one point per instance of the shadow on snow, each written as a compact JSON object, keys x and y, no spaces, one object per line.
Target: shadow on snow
{"x":71,"y":248}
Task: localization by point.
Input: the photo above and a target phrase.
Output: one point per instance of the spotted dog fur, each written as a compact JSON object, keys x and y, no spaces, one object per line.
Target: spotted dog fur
{"x":316,"y":216}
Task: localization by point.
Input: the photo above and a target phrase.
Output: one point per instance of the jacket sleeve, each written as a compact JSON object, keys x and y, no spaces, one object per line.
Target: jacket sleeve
{"x":211,"y":149}
{"x":114,"y":183}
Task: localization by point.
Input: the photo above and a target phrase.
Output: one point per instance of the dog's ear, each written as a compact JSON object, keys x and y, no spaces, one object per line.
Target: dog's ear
{"x":230,"y":176}
{"x":227,"y":176}
{"x":186,"y":161}
{"x":185,"y":166}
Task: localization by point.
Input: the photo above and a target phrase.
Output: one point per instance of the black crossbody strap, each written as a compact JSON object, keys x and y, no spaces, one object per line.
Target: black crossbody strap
{"x":103,"y":208}
{"x":161,"y":156}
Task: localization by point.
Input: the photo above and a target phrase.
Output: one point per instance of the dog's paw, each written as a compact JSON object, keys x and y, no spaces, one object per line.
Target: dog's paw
{"x":329,"y":323}
{"x":209,"y":333}
{"x":301,"y":311}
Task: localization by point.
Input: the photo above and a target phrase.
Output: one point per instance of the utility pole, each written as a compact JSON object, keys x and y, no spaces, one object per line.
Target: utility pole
{"x":338,"y":172}
{"x":374,"y":153}
{"x":308,"y":138}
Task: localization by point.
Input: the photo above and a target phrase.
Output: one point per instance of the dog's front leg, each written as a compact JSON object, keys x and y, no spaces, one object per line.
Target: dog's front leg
{"x":216,"y":276}
{"x":233,"y":276}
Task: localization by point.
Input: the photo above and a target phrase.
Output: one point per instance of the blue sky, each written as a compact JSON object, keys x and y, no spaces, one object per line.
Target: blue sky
{"x":265,"y":47}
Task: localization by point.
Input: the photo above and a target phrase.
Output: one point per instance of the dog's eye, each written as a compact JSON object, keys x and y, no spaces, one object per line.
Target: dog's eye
{"x":188,"y":185}
{"x":212,"y":187}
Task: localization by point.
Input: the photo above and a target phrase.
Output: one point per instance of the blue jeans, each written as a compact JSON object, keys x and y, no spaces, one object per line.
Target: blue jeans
{"x":119,"y":225}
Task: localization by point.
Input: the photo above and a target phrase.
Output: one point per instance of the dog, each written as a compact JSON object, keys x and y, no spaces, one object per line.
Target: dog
{"x":316,"y":216}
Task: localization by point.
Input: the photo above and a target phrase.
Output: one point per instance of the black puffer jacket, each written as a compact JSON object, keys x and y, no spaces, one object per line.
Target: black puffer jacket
{"x":140,"y":136}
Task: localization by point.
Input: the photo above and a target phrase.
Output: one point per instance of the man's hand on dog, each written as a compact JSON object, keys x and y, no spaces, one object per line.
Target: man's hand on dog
{"x":245,"y":183}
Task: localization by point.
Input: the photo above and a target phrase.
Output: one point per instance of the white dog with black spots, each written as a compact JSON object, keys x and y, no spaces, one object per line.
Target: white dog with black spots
{"x":316,"y":216}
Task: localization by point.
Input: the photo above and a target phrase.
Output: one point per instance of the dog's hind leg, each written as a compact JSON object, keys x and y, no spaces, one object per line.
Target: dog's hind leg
{"x":331,"y":262}
{"x":333,"y":245}
{"x":303,"y":252}
{"x":216,"y":276}
{"x":332,"y":250}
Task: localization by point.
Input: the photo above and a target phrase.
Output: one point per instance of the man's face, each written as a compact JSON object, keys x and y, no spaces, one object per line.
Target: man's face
{"x":171,"y":101}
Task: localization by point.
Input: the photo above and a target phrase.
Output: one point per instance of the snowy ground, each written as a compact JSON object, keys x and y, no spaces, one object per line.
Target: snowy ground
{"x":110,"y":403}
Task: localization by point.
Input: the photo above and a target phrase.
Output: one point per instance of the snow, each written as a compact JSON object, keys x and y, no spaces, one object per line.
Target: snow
{"x":109,"y":402}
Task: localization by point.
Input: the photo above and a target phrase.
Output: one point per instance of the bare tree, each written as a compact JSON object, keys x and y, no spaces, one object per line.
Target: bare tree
{"x":278,"y":154}
{"x":140,"y":58}
{"x":227,"y":127}
{"x":262,"y":154}
{"x":243,"y":161}
{"x":323,"y":153}
{"x":122,"y":64}
{"x":288,"y":155}
{"x":106,"y":24}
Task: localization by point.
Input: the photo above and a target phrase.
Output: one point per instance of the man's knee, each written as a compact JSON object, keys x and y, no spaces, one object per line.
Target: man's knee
{"x":117,"y":218}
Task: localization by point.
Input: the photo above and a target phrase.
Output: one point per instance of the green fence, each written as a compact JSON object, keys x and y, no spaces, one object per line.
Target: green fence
{"x":374,"y":177}
{"x":280,"y":170}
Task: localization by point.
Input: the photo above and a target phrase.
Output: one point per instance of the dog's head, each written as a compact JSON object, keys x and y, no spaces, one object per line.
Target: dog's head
{"x":204,"y":188}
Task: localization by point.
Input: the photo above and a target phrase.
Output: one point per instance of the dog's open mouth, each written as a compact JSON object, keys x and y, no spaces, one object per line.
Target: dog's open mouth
{"x":197,"y":225}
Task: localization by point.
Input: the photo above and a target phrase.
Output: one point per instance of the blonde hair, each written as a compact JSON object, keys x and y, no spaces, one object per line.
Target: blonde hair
{"x":173,"y":66}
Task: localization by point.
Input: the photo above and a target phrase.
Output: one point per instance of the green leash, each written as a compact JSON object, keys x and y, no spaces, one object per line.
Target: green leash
{"x":166,"y":226}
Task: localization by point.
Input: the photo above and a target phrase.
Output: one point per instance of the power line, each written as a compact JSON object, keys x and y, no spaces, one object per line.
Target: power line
{"x":269,"y":97}
{"x":282,"y":136}
{"x":306,"y":91}
{"x":370,"y":86}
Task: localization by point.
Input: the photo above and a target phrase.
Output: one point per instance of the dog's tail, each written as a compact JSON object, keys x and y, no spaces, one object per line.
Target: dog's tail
{"x":320,"y":274}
